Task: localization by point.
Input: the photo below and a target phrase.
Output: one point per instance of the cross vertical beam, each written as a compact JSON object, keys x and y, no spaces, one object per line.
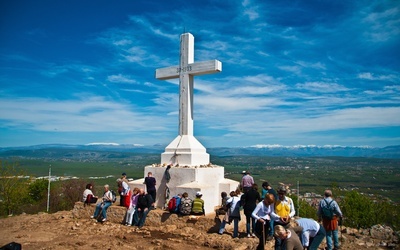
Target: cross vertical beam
{"x":185,"y":71}
{"x":186,"y":85}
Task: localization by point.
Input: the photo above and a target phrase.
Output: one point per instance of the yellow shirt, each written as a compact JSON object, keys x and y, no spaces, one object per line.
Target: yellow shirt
{"x":282,"y":208}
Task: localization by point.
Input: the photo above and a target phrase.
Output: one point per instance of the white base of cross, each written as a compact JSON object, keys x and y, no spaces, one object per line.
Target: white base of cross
{"x":185,"y":150}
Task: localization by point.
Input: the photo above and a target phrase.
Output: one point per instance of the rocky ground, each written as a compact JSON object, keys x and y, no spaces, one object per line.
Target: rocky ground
{"x":75,"y":230}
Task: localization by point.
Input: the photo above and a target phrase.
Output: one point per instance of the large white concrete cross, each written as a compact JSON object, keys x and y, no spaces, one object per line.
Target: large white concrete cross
{"x":185,"y":71}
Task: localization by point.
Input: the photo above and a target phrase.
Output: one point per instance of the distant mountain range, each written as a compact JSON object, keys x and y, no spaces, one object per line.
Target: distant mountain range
{"x":60,"y":150}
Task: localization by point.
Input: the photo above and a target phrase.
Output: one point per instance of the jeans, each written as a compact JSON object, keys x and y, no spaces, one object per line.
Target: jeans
{"x":278,"y":244}
{"x":235,"y":227}
{"x":271,"y":226}
{"x":316,"y":241}
{"x":103,"y":208}
{"x":131,"y":214}
{"x":250,"y":221}
{"x":329,"y":239}
{"x":142,"y":216}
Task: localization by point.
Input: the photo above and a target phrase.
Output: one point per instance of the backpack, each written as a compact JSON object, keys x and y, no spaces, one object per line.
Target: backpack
{"x":114,"y":196}
{"x":327,"y":211}
{"x":186,"y":206}
{"x":173,"y":204}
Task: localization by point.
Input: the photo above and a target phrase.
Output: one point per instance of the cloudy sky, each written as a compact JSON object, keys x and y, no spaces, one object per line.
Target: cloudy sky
{"x":312,"y":72}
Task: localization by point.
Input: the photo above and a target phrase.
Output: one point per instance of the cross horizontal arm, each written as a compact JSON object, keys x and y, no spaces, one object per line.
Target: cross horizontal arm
{"x":167,"y":73}
{"x":206,"y":67}
{"x":198,"y":68}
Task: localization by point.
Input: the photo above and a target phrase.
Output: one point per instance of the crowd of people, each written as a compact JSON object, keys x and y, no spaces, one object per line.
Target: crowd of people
{"x":269,"y":215}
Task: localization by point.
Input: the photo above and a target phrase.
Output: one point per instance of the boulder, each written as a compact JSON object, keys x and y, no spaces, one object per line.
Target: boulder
{"x":381,"y":232}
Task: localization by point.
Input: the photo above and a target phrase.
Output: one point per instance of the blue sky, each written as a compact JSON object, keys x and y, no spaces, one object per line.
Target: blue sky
{"x":293,"y":72}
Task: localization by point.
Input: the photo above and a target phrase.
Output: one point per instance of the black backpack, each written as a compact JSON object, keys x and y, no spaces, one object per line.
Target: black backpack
{"x":327,"y":211}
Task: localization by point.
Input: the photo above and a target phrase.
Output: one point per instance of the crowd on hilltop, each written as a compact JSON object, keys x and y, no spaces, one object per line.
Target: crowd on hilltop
{"x":270,"y":215}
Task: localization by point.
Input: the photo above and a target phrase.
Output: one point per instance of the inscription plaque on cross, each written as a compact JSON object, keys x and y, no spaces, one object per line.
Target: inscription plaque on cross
{"x":185,"y":144}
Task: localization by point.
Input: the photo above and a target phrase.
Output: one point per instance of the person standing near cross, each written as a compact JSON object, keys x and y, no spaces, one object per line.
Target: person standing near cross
{"x":189,"y":151}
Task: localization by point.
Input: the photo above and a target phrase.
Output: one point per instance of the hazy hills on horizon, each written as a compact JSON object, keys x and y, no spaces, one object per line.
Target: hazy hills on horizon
{"x":60,"y":150}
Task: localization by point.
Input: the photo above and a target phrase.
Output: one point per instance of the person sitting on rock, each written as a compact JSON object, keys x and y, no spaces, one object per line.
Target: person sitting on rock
{"x":198,"y":205}
{"x":185,"y":206}
{"x":88,"y":196}
{"x":131,"y":213}
{"x":103,"y":206}
{"x":144,"y":204}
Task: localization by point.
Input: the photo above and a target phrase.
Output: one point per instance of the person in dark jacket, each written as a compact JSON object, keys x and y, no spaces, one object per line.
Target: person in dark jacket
{"x":150,"y":182}
{"x":143,"y":207}
{"x":249,"y":202}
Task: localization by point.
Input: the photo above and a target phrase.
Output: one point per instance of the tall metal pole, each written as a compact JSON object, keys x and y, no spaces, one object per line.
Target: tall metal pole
{"x":48,"y":190}
{"x":298,"y":199}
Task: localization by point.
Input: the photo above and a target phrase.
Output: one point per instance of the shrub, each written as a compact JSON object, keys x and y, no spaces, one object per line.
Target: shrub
{"x":13,"y":189}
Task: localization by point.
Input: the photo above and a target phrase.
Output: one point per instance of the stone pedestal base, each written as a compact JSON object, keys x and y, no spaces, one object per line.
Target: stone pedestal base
{"x":208,"y":180}
{"x":185,"y":150}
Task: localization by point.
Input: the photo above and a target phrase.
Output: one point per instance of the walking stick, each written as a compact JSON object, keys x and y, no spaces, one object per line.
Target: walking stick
{"x":340,"y":229}
{"x":263,"y":226}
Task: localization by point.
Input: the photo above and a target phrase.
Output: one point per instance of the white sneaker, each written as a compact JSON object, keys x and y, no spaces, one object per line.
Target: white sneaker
{"x":104,"y":219}
{"x":248,"y":236}
{"x":92,"y":217}
{"x":253,"y":235}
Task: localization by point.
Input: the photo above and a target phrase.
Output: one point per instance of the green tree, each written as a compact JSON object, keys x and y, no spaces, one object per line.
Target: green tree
{"x":38,"y":190}
{"x":13,"y":188}
{"x":305,"y":209}
{"x":64,"y":194}
{"x":357,"y":210}
{"x":360,"y":211}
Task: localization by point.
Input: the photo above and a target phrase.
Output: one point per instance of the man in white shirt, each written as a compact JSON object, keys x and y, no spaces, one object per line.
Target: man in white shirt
{"x":312,"y":233}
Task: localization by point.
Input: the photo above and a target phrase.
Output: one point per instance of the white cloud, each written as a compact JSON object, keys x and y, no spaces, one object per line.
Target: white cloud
{"x":223,"y":104}
{"x":122,"y":42}
{"x":289,"y":123}
{"x":372,"y":76}
{"x":317,"y":65}
{"x":383,"y":26}
{"x":120,"y":79}
{"x":250,"y":10}
{"x":293,"y":69}
{"x":322,"y":87}
{"x":91,"y":114}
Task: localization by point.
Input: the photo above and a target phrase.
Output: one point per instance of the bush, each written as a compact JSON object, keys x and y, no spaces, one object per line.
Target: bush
{"x":361,"y":211}
{"x":13,"y":189}
{"x":305,"y":209}
{"x":64,"y":194}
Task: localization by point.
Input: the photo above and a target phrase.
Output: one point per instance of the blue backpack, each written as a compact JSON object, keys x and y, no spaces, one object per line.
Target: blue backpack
{"x":327,"y":211}
{"x":173,"y":204}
